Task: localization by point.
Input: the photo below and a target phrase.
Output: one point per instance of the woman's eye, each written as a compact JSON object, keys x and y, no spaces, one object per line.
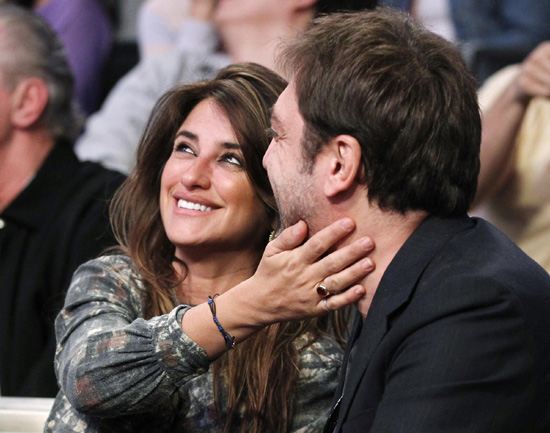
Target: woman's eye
{"x":232,"y":159}
{"x":183,"y":147}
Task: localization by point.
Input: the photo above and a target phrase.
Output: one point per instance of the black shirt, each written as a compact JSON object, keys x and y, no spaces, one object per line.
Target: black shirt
{"x":58,"y":222}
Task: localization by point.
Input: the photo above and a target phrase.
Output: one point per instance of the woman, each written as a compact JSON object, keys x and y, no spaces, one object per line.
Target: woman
{"x":140,"y":329}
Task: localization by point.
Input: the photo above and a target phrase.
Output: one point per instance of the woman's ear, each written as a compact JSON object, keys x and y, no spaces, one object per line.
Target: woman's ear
{"x":29,"y":101}
{"x":344,"y":161}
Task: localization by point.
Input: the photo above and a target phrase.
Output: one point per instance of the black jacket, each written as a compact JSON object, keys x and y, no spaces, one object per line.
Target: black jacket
{"x":457,"y":339}
{"x":58,"y":222}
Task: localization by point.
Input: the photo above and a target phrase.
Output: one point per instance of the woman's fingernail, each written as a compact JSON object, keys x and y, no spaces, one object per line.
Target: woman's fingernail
{"x":348,"y":224}
{"x":367,"y":264}
{"x":367,"y":243}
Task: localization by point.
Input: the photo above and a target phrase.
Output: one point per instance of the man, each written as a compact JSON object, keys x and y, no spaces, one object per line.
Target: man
{"x":248,"y":31}
{"x":380,"y":123}
{"x":53,"y":208}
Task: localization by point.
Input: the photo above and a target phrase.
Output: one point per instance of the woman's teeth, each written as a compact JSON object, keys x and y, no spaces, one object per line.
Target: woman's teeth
{"x":193,"y":206}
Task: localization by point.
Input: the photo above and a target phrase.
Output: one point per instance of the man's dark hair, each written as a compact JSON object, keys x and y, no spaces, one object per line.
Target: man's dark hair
{"x":404,"y":93}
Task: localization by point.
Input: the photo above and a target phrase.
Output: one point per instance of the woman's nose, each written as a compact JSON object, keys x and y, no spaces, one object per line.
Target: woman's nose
{"x":197,"y":174}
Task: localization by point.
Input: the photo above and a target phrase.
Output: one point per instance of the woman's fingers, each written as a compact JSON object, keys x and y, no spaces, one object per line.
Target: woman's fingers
{"x":338,"y":269}
{"x":342,"y":268}
{"x":290,"y":271}
{"x":337,"y":302}
{"x":317,"y":245}
{"x":288,"y":239}
{"x":326,"y":238}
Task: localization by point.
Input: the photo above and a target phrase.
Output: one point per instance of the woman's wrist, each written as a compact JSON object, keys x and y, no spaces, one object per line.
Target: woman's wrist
{"x":234,"y":314}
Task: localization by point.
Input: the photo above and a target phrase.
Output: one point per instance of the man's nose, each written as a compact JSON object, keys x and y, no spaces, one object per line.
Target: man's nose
{"x":266,"y":155}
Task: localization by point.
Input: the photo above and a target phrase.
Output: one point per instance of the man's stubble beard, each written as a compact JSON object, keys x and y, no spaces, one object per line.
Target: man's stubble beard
{"x":296,"y":201}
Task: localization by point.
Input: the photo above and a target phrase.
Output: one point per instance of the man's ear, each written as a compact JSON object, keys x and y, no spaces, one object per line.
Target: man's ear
{"x":29,"y":101}
{"x":344,"y":159}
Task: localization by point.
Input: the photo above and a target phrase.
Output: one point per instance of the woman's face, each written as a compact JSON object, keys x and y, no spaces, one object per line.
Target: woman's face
{"x":206,"y":199}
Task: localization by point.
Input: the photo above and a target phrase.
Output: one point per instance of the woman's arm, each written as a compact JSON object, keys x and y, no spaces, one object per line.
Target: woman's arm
{"x":112,"y":362}
{"x":109,"y":360}
{"x":502,"y":120}
{"x":284,"y":286}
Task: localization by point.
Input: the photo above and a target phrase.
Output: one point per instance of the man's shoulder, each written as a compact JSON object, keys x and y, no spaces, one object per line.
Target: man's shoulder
{"x":484,"y":250}
{"x":78,"y":195}
{"x":87,"y":178}
{"x":482,"y":268}
{"x":104,"y":178}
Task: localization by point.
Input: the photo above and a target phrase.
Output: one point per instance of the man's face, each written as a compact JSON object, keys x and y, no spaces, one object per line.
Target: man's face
{"x":6,"y":98}
{"x":294,"y":188}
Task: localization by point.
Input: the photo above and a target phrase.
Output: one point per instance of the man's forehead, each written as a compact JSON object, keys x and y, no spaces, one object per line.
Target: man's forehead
{"x":275,"y":121}
{"x":286,"y":104}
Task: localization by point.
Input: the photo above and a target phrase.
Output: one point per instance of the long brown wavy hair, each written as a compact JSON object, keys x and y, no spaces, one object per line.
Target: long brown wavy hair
{"x":258,"y":376}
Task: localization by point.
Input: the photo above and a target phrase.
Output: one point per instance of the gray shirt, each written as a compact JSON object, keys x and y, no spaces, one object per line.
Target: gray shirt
{"x":119,"y":372}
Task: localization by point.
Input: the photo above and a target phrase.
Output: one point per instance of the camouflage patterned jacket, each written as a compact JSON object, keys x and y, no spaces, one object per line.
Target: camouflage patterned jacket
{"x":120,"y":373}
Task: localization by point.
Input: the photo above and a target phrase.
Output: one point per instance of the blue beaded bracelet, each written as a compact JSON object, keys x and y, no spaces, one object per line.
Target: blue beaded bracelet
{"x":229,"y":340}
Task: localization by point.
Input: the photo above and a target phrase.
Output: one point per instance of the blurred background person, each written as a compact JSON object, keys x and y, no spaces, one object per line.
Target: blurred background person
{"x":248,"y":30}
{"x":145,"y":343}
{"x":53,"y":208}
{"x":167,"y":25}
{"x":513,"y":190}
{"x":160,"y":26}
{"x":86,"y":31}
{"x":490,"y":34}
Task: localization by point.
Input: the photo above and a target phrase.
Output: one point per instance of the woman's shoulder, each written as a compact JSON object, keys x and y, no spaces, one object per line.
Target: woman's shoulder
{"x":118,"y":264}
{"x":102,"y":275}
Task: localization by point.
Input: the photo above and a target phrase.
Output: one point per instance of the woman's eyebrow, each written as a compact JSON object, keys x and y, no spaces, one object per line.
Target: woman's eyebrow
{"x":229,"y":145}
{"x":187,"y":134}
{"x":195,"y":137}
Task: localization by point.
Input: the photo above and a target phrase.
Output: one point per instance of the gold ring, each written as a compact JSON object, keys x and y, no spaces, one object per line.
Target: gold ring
{"x":322,"y":290}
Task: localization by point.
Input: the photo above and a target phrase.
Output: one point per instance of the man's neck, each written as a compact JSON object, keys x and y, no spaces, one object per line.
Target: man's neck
{"x":20,"y":159}
{"x":390,"y":230}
